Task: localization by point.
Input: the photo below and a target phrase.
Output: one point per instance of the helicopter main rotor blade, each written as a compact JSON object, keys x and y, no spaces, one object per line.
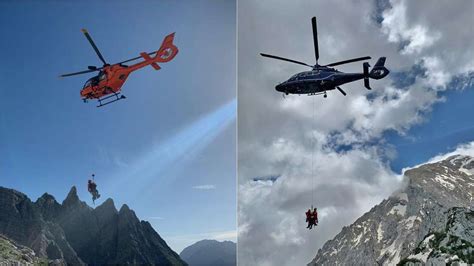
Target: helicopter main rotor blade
{"x":285,"y":59}
{"x":349,"y":61}
{"x":315,"y":39}
{"x":80,"y":72}
{"x":93,"y":45}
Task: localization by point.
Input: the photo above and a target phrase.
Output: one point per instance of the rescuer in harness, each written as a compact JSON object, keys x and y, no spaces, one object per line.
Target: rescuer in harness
{"x":312,"y":218}
{"x":92,"y":188}
{"x":308,"y":219}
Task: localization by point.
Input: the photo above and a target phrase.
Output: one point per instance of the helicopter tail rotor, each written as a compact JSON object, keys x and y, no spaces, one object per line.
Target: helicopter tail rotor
{"x":379,"y":70}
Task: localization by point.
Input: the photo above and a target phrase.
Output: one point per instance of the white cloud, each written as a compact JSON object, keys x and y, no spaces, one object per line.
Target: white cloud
{"x":205,"y":187}
{"x":396,"y":25}
{"x":437,"y":75}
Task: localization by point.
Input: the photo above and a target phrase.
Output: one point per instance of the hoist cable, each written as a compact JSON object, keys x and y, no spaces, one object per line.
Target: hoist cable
{"x":312,"y":151}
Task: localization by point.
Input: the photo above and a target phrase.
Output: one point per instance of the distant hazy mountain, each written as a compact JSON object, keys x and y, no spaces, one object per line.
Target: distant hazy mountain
{"x":210,"y":253}
{"x":74,"y":233}
{"x":430,"y":222}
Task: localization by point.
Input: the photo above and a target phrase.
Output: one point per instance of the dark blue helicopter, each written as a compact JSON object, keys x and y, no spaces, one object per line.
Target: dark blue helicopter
{"x":323,"y":78}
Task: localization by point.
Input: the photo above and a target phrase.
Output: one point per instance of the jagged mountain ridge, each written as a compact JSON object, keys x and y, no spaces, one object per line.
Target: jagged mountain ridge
{"x":390,"y":231}
{"x":210,"y":253}
{"x":74,"y":233}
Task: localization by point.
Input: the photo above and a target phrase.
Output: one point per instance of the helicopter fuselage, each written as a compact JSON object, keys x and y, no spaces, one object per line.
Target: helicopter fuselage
{"x":109,"y":80}
{"x":317,"y":81}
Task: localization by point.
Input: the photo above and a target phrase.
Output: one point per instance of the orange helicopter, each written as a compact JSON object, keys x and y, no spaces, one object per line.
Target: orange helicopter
{"x":106,"y":86}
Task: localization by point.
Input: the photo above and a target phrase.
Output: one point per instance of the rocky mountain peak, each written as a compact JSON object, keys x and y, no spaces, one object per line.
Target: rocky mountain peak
{"x":127,"y":217}
{"x":449,"y":182}
{"x":46,"y":198}
{"x":106,"y":212}
{"x":46,"y":201}
{"x":124,"y":209}
{"x":48,"y":206}
{"x":391,"y":230}
{"x":71,"y":198}
{"x":127,"y":214}
{"x":108,"y":204}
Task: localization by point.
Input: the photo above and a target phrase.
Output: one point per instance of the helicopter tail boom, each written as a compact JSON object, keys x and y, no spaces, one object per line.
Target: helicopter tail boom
{"x":165,"y":54}
{"x":149,"y":59}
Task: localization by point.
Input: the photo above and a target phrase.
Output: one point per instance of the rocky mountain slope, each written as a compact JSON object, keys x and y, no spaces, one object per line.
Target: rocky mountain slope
{"x":11,"y":253}
{"x":454,"y":244}
{"x":431,"y":212}
{"x":74,"y":233}
{"x":210,"y":253}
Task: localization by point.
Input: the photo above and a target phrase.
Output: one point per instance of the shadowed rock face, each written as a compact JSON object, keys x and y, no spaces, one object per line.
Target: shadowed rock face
{"x":210,"y":253}
{"x":74,"y":233}
{"x":391,"y":231}
{"x":22,"y":221}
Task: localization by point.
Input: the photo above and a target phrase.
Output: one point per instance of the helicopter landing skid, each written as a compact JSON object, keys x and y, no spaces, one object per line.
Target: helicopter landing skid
{"x":318,"y":93}
{"x":117,"y":98}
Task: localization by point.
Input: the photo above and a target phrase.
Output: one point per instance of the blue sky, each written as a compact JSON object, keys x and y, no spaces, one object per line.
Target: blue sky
{"x":168,"y":151}
{"x":447,"y":126}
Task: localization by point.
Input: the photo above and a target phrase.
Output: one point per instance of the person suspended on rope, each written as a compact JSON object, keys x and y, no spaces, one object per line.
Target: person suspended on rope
{"x":315,"y":216}
{"x":92,"y":188}
{"x":308,"y":218}
{"x":312,"y":217}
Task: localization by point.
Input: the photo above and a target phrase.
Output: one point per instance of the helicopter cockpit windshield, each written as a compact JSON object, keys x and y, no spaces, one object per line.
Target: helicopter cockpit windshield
{"x":293,"y":78}
{"x":95,"y":80}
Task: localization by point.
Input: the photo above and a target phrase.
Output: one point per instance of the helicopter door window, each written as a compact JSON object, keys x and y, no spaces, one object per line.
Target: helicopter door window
{"x":102,"y":77}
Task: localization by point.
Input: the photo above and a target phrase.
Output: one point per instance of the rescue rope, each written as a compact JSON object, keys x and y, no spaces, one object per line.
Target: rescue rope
{"x":312,"y":151}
